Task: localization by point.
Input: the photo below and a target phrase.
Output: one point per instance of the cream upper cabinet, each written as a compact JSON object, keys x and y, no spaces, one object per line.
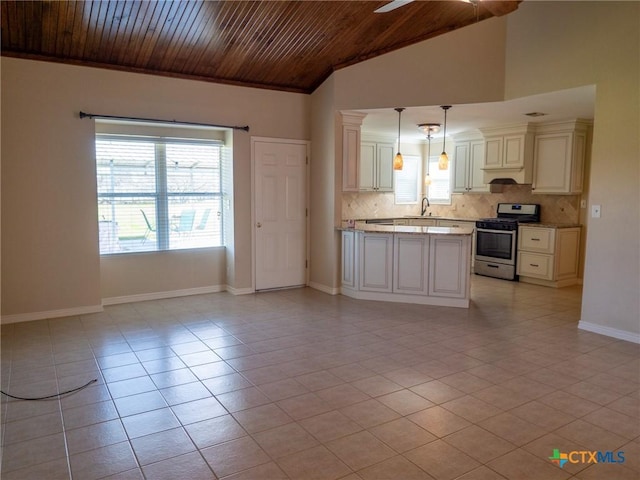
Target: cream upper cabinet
{"x":351,"y":138}
{"x":559,"y":155}
{"x":376,"y":166}
{"x":508,"y":153}
{"x":468,"y":161}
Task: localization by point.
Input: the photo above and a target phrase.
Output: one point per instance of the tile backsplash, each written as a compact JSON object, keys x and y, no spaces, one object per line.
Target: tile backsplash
{"x":554,"y":208}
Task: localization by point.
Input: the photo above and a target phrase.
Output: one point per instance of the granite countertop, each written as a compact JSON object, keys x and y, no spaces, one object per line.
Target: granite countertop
{"x":374,"y":228}
{"x":551,"y":225}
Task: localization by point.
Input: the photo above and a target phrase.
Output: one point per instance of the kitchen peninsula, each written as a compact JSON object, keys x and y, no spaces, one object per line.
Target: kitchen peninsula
{"x":411,"y":264}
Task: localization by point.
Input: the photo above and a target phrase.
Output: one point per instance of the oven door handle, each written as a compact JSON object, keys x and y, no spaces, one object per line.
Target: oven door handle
{"x":508,"y":232}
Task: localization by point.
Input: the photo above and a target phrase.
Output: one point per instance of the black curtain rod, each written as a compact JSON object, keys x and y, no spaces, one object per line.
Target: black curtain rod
{"x":114,"y":117}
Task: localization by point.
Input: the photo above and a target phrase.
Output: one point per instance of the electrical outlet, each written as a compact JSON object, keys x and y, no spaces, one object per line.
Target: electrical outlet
{"x":595,"y":211}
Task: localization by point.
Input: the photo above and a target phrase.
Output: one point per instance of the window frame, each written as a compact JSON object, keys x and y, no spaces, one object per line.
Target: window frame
{"x":161,"y":196}
{"x":431,"y":167}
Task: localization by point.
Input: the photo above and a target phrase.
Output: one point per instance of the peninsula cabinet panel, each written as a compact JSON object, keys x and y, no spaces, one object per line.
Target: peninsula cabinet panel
{"x":449,"y":266}
{"x":349,"y":271}
{"x":411,"y":261}
{"x":376,"y":262}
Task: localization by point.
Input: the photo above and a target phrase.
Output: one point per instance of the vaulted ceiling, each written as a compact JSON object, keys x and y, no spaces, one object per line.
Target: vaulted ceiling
{"x":281,"y":45}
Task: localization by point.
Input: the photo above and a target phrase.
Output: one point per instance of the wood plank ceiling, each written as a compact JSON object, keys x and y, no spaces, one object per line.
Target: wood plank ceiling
{"x":280,"y":45}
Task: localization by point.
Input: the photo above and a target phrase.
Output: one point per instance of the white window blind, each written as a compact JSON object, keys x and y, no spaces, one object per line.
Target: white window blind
{"x":439,"y":191}
{"x":158,"y":193}
{"x":407,"y":181}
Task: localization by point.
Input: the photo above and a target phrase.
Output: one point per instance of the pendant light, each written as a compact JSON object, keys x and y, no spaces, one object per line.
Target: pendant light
{"x":427,"y":177}
{"x":397,"y":161}
{"x":443,"y":161}
{"x":428,"y":129}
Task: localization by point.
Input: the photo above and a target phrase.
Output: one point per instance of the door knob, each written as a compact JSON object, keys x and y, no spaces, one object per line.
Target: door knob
{"x":258,"y":225}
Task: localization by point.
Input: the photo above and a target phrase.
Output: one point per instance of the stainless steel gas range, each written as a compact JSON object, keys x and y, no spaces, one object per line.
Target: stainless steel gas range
{"x":497,"y":239}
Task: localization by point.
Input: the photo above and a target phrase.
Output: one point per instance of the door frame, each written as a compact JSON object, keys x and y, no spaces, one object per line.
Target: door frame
{"x":307,"y":144}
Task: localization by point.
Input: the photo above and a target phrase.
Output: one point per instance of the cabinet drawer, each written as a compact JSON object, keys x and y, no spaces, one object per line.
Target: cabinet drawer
{"x":535,"y":265}
{"x":534,"y":239}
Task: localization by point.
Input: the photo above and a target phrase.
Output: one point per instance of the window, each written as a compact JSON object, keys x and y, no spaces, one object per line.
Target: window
{"x":158,"y":193}
{"x":407,"y":181}
{"x":440,"y":189}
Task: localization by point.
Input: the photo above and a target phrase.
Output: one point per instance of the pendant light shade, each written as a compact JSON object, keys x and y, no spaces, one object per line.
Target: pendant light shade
{"x":397,"y":161}
{"x":443,"y":161}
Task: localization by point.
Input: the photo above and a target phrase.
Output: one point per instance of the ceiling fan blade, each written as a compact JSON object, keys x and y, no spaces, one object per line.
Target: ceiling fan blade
{"x":392,"y":6}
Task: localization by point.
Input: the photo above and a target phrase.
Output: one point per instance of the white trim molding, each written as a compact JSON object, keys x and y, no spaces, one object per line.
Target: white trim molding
{"x":65,"y":312}
{"x":325,"y":288}
{"x":609,"y":332}
{"x":143,"y":297}
{"x":239,"y":291}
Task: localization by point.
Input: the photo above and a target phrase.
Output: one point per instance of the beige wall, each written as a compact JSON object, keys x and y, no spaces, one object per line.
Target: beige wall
{"x":434,"y":72}
{"x":50,"y":259}
{"x":324,"y":190}
{"x":557,"y":45}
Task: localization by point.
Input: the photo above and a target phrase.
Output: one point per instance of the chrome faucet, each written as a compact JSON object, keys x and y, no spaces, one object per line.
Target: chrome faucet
{"x":424,"y":207}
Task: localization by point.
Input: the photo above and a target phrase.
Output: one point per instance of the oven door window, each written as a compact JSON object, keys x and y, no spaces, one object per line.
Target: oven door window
{"x":494,"y":244}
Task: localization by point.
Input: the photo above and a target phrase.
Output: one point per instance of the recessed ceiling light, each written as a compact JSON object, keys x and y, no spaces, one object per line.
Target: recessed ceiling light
{"x":536,"y":114}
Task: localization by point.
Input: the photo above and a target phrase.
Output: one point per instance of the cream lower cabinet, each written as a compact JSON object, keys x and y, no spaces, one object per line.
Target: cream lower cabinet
{"x":548,"y":256}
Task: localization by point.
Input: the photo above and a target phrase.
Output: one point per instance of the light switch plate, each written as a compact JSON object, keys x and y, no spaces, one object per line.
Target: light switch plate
{"x":595,"y":211}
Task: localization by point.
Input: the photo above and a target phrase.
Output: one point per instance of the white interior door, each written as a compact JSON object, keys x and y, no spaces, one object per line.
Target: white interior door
{"x":280,"y":214}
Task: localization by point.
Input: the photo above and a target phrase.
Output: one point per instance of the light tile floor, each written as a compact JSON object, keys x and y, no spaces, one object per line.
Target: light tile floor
{"x":302,"y":385}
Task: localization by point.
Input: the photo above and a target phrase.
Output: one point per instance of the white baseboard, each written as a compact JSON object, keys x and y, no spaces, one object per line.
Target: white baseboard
{"x":609,"y":332}
{"x":65,"y":312}
{"x":239,"y":291}
{"x":143,"y":297}
{"x":324,"y":288}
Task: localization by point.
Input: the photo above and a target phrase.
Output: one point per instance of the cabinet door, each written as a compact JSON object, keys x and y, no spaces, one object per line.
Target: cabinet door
{"x":350,"y":157}
{"x":384,"y":157}
{"x":513,"y":155}
{"x":460,"y":167}
{"x":349,"y":259}
{"x":493,"y":152}
{"x":367,"y":166}
{"x":411,"y":262}
{"x":376,"y":262}
{"x":552,"y":163}
{"x":476,"y":162}
{"x":449,"y":266}
{"x":567,"y":253}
